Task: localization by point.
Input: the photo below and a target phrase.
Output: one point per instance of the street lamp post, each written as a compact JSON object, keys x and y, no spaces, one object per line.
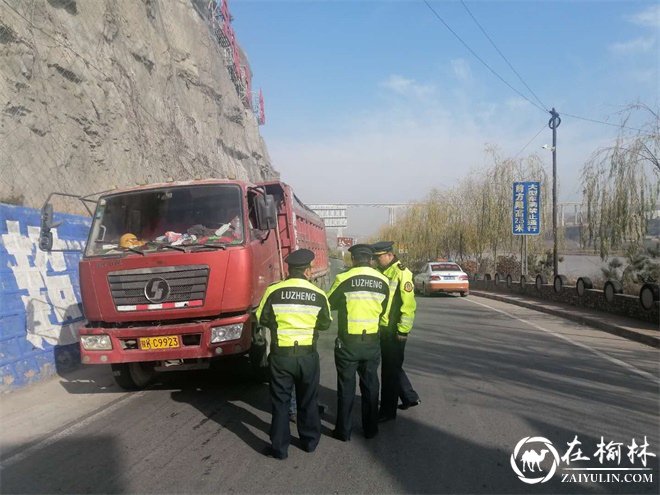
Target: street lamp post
{"x":553,"y":123}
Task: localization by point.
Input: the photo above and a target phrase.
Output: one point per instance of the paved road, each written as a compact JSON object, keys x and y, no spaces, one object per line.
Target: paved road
{"x":489,"y":374}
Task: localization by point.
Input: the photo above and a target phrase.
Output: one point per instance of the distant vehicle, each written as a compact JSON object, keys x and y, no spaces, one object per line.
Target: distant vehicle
{"x":442,"y":276}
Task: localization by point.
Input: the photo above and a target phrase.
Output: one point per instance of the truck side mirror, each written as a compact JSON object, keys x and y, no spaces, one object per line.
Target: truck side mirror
{"x":46,"y":236}
{"x":46,"y":217}
{"x":266,"y":212}
{"x":46,"y":240}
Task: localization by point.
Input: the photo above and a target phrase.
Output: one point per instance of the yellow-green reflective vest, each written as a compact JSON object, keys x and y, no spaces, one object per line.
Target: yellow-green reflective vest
{"x":361,"y":297}
{"x":294,"y":310}
{"x":402,"y":311}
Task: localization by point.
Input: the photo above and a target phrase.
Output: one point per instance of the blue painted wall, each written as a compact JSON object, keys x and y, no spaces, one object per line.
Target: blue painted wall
{"x":40,"y":308}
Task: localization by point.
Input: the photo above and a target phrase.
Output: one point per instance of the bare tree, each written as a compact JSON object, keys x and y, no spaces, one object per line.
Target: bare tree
{"x":621,"y":183}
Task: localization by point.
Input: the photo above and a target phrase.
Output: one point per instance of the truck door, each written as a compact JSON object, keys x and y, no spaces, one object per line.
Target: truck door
{"x":265,"y":256}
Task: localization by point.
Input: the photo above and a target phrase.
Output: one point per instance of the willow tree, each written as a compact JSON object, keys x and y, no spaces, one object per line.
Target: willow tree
{"x":471,"y":199}
{"x":460,"y":231}
{"x":470,"y":218}
{"x":409,"y":233}
{"x":493,"y":202}
{"x":621,"y":183}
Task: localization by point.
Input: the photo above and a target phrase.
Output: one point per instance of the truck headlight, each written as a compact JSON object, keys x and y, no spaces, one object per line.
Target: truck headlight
{"x":96,"y":342}
{"x":225,"y":333}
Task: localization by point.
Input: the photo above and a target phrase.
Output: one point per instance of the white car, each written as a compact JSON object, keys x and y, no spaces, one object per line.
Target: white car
{"x":442,"y":276}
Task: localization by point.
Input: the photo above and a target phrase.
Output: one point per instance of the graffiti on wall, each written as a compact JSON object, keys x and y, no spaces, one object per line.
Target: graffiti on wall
{"x":51,"y":304}
{"x":39,"y":292}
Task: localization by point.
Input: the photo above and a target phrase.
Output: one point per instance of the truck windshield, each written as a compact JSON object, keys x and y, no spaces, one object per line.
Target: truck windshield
{"x":175,"y":217}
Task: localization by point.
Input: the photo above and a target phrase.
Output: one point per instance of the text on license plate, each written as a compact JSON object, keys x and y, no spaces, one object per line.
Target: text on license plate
{"x":153,"y":343}
{"x":449,"y":278}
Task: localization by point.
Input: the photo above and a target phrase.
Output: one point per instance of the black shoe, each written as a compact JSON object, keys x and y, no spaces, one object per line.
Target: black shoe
{"x":309,"y":449}
{"x":269,"y":452}
{"x":337,"y":436}
{"x":371,"y":435}
{"x":292,"y":417}
{"x":323,"y":409}
{"x":384,"y":418}
{"x":408,"y":405}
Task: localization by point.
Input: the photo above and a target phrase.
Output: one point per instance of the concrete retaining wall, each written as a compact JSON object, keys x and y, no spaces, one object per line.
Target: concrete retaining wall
{"x":40,"y":309}
{"x":622,"y":304}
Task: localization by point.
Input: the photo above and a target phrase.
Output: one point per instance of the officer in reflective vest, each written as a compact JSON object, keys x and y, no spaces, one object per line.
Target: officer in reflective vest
{"x":361,"y":298}
{"x":294,"y":310}
{"x":393,"y":336}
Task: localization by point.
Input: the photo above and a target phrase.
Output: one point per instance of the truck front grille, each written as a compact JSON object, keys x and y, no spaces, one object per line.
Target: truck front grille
{"x":182,"y":283}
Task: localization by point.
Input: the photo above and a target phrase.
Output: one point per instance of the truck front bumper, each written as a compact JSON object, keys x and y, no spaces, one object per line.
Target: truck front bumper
{"x":194,"y":342}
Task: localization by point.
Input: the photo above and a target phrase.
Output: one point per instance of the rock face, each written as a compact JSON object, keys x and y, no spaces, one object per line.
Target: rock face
{"x":117,"y":92}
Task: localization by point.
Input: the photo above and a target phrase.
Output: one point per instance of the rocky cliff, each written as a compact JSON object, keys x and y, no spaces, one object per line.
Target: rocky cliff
{"x":96,"y":93}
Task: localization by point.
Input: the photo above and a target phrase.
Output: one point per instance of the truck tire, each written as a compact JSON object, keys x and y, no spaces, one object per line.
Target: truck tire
{"x":133,"y":376}
{"x":259,"y":351}
{"x":559,"y":282}
{"x":648,"y":295}
{"x":612,"y":287}
{"x":583,"y":283}
{"x":541,"y":280}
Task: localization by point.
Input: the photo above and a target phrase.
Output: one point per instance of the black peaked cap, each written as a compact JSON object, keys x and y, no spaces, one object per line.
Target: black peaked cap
{"x":302,"y":257}
{"x":361,"y":249}
{"x":383,"y":247}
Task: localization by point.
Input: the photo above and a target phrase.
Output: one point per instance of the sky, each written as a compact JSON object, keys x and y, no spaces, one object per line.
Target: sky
{"x":377,"y":101}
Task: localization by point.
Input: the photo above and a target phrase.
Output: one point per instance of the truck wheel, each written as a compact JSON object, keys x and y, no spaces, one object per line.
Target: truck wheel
{"x":133,"y":376}
{"x":541,"y":280}
{"x":648,"y":294}
{"x":583,"y":283}
{"x":464,"y":294}
{"x":559,"y":282}
{"x":611,"y":288}
{"x":259,"y":351}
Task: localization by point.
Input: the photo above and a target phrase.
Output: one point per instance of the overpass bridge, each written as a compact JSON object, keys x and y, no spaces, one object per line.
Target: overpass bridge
{"x":335,"y":215}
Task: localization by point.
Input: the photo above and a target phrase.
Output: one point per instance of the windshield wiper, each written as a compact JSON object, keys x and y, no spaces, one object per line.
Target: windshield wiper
{"x":169,"y":246}
{"x":132,"y":249}
{"x":214,"y":246}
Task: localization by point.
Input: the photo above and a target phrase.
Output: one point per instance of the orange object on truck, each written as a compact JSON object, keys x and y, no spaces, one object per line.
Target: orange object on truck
{"x":172,"y":273}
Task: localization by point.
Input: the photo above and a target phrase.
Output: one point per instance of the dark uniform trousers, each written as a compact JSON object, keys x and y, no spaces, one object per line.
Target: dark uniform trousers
{"x":304,"y":372}
{"x":363,"y":358}
{"x":395,"y":381}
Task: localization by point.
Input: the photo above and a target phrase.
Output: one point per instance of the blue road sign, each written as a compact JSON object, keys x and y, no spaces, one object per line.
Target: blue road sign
{"x":526,"y":218}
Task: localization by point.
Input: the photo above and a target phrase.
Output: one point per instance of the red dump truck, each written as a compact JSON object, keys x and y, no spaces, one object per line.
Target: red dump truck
{"x":172,"y":273}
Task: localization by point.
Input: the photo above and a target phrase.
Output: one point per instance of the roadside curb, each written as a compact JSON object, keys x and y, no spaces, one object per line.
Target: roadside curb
{"x":585,"y":320}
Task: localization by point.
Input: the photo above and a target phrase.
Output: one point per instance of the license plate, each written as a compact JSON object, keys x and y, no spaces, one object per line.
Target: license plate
{"x":449,"y":278}
{"x":156,"y":343}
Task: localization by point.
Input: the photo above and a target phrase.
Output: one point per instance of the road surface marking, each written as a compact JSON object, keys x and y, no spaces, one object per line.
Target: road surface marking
{"x":24,"y":454}
{"x":627,"y":366}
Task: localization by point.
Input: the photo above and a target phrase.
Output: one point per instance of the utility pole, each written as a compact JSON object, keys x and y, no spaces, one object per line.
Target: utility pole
{"x":553,"y":123}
